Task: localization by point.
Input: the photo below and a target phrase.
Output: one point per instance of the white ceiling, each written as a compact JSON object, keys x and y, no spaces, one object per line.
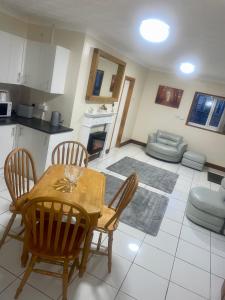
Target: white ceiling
{"x":197,"y":28}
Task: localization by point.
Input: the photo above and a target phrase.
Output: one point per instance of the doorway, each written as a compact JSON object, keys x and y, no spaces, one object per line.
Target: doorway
{"x":122,"y":111}
{"x":126,"y":97}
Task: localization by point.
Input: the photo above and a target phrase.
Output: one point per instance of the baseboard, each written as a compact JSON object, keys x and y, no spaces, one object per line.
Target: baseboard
{"x":210,"y":165}
{"x":138,"y":143}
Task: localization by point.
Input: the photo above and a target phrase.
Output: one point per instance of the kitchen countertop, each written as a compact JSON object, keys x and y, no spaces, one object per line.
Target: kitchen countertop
{"x":34,"y":123}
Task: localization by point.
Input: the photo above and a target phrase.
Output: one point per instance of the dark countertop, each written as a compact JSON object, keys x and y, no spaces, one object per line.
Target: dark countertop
{"x":34,"y":123}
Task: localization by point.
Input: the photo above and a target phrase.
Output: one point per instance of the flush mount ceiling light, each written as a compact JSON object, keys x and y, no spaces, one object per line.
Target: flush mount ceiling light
{"x":154,"y":30}
{"x":187,"y":68}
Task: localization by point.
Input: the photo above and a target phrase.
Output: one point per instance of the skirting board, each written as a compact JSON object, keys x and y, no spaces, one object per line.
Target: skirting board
{"x":208,"y":164}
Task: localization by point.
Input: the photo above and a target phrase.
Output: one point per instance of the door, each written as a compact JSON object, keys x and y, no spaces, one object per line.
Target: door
{"x":127,"y":98}
{"x":37,"y":143}
{"x":7,"y":136}
{"x":4,"y":56}
{"x":122,"y":112}
{"x":17,"y":49}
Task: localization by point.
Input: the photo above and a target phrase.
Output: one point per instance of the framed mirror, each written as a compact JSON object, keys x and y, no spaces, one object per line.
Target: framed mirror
{"x":105,"y":77}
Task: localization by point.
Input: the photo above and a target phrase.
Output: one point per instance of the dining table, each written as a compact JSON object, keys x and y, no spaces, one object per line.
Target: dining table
{"x":88,"y":192}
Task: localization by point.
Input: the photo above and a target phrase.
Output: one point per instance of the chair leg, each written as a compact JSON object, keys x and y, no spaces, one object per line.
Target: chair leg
{"x":86,"y":251}
{"x":110,"y":243}
{"x":99,"y":241}
{"x":75,"y":264}
{"x":24,"y":257}
{"x":7,"y":229}
{"x":26,"y":275}
{"x":65,"y":279}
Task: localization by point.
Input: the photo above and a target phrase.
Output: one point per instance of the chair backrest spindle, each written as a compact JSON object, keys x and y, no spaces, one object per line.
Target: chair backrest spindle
{"x":70,"y":153}
{"x":19,"y":170}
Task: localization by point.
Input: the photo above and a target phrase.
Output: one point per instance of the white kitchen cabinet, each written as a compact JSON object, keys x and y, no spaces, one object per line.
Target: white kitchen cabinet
{"x":7,"y":138}
{"x":4,"y":56}
{"x":11,"y":58}
{"x":46,"y":67}
{"x":40,"y":144}
{"x":16,"y":63}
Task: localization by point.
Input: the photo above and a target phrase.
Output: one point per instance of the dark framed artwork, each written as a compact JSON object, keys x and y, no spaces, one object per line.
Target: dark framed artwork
{"x":169,"y":96}
{"x":112,"y":85}
{"x":98,"y":82}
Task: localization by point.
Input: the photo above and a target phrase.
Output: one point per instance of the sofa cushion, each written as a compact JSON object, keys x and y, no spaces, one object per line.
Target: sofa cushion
{"x":167,"y":138}
{"x":164,"y":149}
{"x":211,"y":202}
{"x":195,"y":156}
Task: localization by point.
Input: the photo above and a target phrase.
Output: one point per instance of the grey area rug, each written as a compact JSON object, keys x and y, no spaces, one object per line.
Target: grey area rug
{"x":145,"y":211}
{"x":150,"y":175}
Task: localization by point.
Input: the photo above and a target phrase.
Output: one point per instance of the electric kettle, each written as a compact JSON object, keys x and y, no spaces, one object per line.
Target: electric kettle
{"x":56,"y":118}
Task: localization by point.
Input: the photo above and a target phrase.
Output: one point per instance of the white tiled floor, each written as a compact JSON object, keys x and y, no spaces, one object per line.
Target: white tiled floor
{"x":183,"y":262}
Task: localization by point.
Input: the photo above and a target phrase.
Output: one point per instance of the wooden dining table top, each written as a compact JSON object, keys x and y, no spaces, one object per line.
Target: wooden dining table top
{"x":88,"y":193}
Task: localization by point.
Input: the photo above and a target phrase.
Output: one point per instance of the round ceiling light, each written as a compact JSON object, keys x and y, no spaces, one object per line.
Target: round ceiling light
{"x":154,"y":30}
{"x":187,"y":67}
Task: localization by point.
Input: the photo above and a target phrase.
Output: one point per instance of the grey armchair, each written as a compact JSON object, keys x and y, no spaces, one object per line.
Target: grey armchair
{"x":207,"y":208}
{"x":166,"y":146}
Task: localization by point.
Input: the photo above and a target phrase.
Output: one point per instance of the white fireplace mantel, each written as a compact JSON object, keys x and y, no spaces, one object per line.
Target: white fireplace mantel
{"x":95,"y":120}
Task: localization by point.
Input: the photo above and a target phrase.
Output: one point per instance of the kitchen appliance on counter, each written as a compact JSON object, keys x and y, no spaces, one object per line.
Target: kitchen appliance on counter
{"x":56,"y":119}
{"x":4,"y":96}
{"x":25,"y":111}
{"x":5,"y":109}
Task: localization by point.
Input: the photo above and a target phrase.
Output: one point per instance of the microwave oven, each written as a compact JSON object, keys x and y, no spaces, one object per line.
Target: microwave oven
{"x":5,"y":109}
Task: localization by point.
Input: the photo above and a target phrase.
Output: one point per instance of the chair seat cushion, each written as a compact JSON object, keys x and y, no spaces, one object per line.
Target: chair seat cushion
{"x":164,"y":149}
{"x":211,"y":202}
{"x":107,"y":214}
{"x":194,"y":156}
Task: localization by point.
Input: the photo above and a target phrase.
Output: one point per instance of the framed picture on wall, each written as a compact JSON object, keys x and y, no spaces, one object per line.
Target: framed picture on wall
{"x":98,"y":82}
{"x":169,"y":96}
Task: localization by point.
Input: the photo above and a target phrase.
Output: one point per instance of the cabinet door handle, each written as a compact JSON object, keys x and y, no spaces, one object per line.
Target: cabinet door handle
{"x":18,"y":77}
{"x":20,"y":132}
{"x":13,"y":131}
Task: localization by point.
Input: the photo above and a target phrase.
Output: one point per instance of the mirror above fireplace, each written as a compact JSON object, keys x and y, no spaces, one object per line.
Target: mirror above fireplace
{"x":105,"y":77}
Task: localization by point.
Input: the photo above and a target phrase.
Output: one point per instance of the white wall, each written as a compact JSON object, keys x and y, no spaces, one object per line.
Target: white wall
{"x":81,"y":105}
{"x":153,"y":116}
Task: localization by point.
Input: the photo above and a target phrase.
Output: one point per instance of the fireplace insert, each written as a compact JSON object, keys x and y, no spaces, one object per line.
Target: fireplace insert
{"x":96,"y":142}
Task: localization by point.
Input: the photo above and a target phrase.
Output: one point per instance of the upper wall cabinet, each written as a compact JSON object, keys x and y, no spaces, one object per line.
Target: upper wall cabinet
{"x":12,"y":49}
{"x":105,"y":77}
{"x":45,"y":67}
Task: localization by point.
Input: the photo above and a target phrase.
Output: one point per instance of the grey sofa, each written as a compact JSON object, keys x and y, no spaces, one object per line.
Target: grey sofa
{"x":207,"y":208}
{"x":166,"y":146}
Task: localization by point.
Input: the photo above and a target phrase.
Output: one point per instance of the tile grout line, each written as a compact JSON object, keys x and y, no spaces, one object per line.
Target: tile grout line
{"x":130,"y":268}
{"x":176,"y":248}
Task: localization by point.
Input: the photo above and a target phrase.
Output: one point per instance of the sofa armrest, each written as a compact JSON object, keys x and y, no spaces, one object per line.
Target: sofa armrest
{"x":182,"y":147}
{"x":151,"y":138}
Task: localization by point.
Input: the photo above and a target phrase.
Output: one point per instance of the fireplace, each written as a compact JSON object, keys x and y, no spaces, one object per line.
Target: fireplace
{"x":96,"y":142}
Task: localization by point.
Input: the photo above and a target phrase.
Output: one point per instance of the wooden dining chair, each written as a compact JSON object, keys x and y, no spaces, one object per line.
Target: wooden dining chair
{"x":19,"y":172}
{"x":70,"y":153}
{"x":109,"y":220}
{"x":55,"y":232}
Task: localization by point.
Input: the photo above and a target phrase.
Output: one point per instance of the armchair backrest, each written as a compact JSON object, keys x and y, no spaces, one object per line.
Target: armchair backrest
{"x":168,"y":138}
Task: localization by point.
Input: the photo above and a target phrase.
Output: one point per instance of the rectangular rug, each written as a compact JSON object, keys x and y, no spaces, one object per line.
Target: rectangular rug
{"x":150,"y":175}
{"x":145,"y":211}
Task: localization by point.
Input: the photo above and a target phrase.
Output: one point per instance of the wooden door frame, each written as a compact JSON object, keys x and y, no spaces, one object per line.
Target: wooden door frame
{"x":126,"y":108}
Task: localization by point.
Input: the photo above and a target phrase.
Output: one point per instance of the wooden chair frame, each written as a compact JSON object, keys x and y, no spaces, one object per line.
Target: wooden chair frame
{"x":70,"y":155}
{"x":19,"y":167}
{"x":122,"y":198}
{"x":55,"y":232}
